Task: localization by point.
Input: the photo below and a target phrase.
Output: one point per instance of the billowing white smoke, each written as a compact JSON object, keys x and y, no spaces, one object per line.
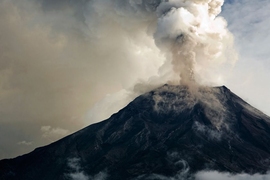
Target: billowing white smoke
{"x":192,"y":38}
{"x":192,"y":33}
{"x":59,"y":58}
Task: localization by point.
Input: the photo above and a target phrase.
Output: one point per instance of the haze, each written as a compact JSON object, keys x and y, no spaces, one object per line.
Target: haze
{"x":67,"y":64}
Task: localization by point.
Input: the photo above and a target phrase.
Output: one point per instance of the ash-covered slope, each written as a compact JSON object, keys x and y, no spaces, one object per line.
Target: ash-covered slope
{"x":168,"y":131}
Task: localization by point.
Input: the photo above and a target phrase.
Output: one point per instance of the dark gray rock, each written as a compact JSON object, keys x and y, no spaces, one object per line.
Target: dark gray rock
{"x":167,"y":131}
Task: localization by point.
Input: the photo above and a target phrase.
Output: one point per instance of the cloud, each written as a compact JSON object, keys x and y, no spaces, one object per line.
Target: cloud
{"x":214,"y":175}
{"x":208,"y":175}
{"x":78,"y":174}
{"x":61,"y":58}
{"x":249,"y":21}
{"x":55,"y":65}
{"x":195,"y":37}
{"x":250,"y":26}
{"x":25,"y":143}
{"x":53,"y":133}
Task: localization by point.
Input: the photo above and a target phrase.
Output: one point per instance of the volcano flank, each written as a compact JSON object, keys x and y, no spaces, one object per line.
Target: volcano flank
{"x":170,"y":131}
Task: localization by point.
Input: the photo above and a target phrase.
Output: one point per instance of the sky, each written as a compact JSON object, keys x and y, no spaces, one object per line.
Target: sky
{"x":66,"y":64}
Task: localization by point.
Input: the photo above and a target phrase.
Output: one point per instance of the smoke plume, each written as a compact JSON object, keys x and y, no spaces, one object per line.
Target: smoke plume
{"x":192,"y":39}
{"x":189,"y":33}
{"x":192,"y":33}
{"x":59,"y":59}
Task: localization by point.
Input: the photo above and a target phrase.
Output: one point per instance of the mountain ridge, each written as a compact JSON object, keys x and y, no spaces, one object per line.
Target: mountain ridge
{"x":166,"y":131}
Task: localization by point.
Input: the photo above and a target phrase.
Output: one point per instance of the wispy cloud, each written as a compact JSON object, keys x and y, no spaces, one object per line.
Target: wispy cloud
{"x":25,"y":143}
{"x":208,"y":175}
{"x":77,"y":172}
{"x":53,"y":133}
{"x":215,"y":175}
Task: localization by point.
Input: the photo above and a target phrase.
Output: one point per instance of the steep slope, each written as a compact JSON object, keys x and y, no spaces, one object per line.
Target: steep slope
{"x":168,"y":131}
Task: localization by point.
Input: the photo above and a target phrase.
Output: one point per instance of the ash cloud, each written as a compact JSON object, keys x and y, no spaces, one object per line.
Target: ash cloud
{"x":61,"y":58}
{"x":193,"y":34}
{"x":56,"y":65}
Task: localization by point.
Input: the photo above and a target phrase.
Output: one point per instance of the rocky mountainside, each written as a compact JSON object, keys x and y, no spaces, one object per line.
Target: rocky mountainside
{"x":170,"y":131}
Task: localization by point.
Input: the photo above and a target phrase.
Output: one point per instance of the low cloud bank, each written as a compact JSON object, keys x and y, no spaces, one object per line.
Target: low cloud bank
{"x":77,"y":172}
{"x":207,"y":175}
{"x":215,"y":175}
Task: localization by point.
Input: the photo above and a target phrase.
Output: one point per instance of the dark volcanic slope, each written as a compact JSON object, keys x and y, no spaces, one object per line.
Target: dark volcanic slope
{"x":163,"y":132}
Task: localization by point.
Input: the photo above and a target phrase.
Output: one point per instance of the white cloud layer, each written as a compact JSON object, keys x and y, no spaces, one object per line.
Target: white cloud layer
{"x":208,"y":175}
{"x":214,"y":175}
{"x":53,"y":133}
{"x":25,"y":143}
{"x":78,"y":174}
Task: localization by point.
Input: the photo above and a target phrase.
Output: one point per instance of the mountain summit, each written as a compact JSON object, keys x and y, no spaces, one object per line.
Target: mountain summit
{"x":168,"y":132}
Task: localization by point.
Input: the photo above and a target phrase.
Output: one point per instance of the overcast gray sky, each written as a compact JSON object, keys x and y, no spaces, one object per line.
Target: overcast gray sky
{"x":65,"y":64}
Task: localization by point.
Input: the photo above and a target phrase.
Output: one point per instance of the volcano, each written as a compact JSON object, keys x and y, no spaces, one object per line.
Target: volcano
{"x":169,"y":131}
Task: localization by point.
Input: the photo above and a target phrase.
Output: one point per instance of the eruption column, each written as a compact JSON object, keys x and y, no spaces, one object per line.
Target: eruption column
{"x":191,"y":32}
